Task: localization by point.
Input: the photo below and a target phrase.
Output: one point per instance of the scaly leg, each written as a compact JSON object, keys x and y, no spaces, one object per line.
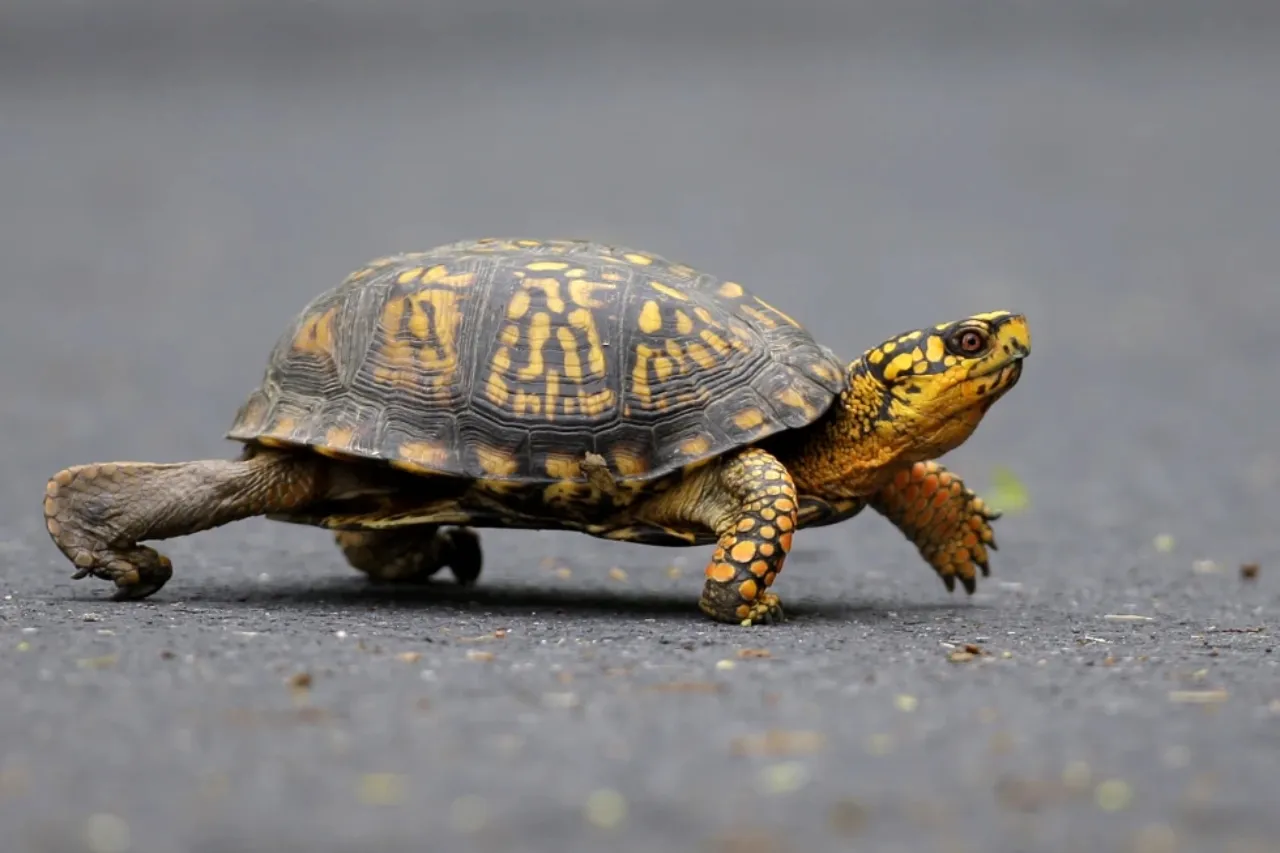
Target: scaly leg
{"x":750,"y":502}
{"x":412,"y":554}
{"x":97,"y":514}
{"x":949,"y":524}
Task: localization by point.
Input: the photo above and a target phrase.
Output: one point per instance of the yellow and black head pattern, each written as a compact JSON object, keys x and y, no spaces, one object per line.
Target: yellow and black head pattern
{"x":511,"y":360}
{"x":932,"y":386}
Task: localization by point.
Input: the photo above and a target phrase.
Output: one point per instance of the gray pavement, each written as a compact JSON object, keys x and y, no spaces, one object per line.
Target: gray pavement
{"x":173,"y":189}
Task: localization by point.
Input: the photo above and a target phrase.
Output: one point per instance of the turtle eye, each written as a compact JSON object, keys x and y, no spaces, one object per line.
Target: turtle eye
{"x":968,"y":342}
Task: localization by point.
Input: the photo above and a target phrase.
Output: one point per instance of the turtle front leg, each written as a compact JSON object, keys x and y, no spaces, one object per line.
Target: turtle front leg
{"x":749,"y":501}
{"x":96,"y":514}
{"x":412,"y":554}
{"x":948,"y":523}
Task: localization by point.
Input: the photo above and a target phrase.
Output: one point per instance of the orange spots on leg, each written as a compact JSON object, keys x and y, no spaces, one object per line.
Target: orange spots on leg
{"x":720,"y":572}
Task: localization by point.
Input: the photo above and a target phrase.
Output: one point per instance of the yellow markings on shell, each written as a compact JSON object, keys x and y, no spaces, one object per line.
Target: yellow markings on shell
{"x":791,"y":397}
{"x":552,"y":394}
{"x":717,"y":343}
{"x":518,"y":305}
{"x":730,"y":290}
{"x":396,"y":353}
{"x":497,"y":463}
{"x":339,"y":436}
{"x":888,"y":347}
{"x":315,"y":336}
{"x":529,"y":244}
{"x":695,"y":446}
{"x":613,"y":276}
{"x":526,"y":403}
{"x":360,"y":275}
{"x":563,"y":467}
{"x":901,"y":363}
{"x":876,"y":355}
{"x":576,"y":272}
{"x":496,"y":387}
{"x":510,"y":335}
{"x":823,"y":371}
{"x":581,"y":292}
{"x":412,"y":274}
{"x":748,"y":418}
{"x":582,"y":319}
{"x":640,"y":374}
{"x":669,"y":291}
{"x":704,"y":315}
{"x":439,"y":274}
{"x":684,"y":323}
{"x":572,"y":362}
{"x":642,"y":260}
{"x":760,"y":317}
{"x":628,"y":463}
{"x":650,"y":318}
{"x":546,"y":266}
{"x":539,"y":332}
{"x":701,"y":356}
{"x":551,"y":287}
{"x":283,"y":426}
{"x":935,"y":349}
{"x":597,"y":403}
{"x":448,"y":320}
{"x":663,"y":367}
{"x":421,"y":457}
{"x":781,"y":314}
{"x":681,"y":270}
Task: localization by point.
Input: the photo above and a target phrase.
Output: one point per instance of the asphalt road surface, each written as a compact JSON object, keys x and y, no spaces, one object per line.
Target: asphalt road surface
{"x":173,"y":189}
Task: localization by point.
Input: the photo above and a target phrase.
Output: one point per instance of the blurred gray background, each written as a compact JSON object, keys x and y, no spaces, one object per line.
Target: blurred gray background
{"x":177,"y":180}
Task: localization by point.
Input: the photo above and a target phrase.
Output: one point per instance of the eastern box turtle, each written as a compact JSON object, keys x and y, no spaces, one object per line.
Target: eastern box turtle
{"x":569,"y":385}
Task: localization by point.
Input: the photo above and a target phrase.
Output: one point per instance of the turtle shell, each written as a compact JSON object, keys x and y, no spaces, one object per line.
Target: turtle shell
{"x":511,"y":360}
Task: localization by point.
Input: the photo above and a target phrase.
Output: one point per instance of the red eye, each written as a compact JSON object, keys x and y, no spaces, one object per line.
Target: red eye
{"x":969,"y":342}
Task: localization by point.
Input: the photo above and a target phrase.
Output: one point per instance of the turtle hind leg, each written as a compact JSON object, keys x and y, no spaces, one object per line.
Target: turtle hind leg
{"x":97,"y":514}
{"x":412,"y":554}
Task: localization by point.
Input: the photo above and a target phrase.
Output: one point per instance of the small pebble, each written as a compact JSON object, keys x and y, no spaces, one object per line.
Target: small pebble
{"x":1155,"y":838}
{"x":784,"y":778}
{"x":561,"y":700}
{"x":725,"y":664}
{"x":381,"y":789}
{"x":605,"y":808}
{"x":1249,"y":571}
{"x":107,"y":833}
{"x":906,"y":703}
{"x":1077,"y":776}
{"x":468,"y":814}
{"x":618,"y":574}
{"x":880,"y":744}
{"x":1198,"y":697}
{"x":479,"y":656}
{"x":1113,"y":795}
{"x":1163,"y":543}
{"x":1205,"y":567}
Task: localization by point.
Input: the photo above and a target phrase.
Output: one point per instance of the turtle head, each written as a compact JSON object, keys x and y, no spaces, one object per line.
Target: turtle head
{"x":912,"y":398}
{"x":924,"y":392}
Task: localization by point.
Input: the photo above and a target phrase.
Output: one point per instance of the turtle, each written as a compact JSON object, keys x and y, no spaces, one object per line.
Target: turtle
{"x":569,"y":384}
